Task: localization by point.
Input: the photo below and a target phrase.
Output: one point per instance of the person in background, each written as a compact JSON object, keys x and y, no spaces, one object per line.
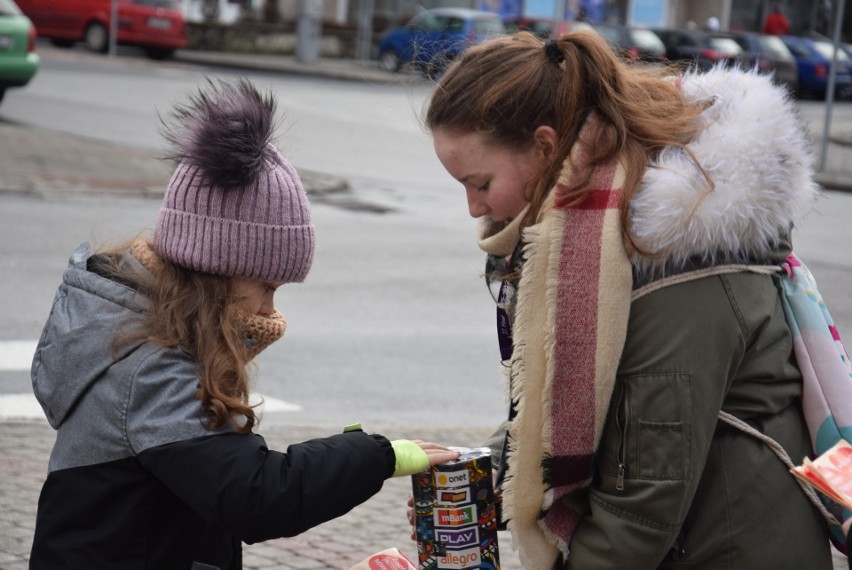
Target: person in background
{"x":143,"y":369}
{"x":631,"y":221}
{"x":776,"y":23}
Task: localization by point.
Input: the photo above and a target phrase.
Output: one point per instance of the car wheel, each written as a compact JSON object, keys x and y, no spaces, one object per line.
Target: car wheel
{"x":389,"y":60}
{"x":61,"y":42}
{"x":159,"y":53}
{"x":96,"y":38}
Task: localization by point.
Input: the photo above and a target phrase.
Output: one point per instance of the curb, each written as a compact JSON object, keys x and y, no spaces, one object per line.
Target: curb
{"x":39,"y":162}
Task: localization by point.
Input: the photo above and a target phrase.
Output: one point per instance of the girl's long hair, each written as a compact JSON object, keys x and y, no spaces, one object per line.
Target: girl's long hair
{"x":507,"y":87}
{"x":195,"y":312}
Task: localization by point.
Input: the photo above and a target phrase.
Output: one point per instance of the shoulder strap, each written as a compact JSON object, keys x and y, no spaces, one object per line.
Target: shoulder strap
{"x":776,"y":448}
{"x":701,"y":273}
{"x":725,"y":416}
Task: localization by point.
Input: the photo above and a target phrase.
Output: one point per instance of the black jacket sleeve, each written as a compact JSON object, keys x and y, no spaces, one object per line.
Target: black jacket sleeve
{"x":258,"y":494}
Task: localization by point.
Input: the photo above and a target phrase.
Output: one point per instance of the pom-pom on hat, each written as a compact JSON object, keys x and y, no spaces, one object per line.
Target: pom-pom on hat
{"x":234,"y":205}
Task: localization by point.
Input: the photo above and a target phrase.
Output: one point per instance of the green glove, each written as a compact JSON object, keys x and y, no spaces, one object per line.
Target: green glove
{"x":410,"y":458}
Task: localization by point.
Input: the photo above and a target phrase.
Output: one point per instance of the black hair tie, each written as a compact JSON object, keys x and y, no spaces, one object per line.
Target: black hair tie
{"x":551,"y":50}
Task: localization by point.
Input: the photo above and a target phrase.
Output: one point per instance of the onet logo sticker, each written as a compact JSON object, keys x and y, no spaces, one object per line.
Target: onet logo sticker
{"x":451,"y":480}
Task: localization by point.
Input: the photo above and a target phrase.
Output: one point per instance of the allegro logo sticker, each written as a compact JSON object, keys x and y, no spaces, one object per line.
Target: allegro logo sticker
{"x":455,"y":517}
{"x":451,"y":479}
{"x":459,"y":559}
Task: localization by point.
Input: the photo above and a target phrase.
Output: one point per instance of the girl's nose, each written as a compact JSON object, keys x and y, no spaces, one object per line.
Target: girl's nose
{"x":476,"y":204}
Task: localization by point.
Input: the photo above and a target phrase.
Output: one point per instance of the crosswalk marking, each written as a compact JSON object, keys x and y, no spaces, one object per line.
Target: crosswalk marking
{"x":17,"y":356}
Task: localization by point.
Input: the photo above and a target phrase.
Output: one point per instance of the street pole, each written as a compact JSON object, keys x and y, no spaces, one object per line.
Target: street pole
{"x":113,"y":26}
{"x":829,"y":95}
{"x":364,"y":41}
{"x":308,"y":31}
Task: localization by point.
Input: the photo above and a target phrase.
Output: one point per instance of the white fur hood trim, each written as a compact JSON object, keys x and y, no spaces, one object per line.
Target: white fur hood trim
{"x":755,"y":151}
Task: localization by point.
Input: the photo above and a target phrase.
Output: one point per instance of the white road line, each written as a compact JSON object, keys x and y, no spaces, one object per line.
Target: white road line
{"x":16,"y":355}
{"x":20,"y":407}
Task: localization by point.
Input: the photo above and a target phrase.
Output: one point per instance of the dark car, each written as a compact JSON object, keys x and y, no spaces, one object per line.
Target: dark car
{"x":544,"y":28}
{"x":634,"y":44}
{"x":18,"y":58}
{"x":768,"y":54}
{"x":814,"y":58}
{"x":435,"y":37}
{"x":697,"y":50}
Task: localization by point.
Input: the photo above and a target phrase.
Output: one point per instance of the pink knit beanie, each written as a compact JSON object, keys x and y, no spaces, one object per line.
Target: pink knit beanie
{"x":234,"y":206}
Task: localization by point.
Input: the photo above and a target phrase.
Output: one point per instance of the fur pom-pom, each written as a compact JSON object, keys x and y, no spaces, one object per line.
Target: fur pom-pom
{"x":223,"y":130}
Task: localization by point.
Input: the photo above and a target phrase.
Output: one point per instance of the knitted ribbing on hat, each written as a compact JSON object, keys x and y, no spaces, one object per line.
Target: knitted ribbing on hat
{"x":258,"y":331}
{"x":263,"y":231}
{"x":234,"y":205}
{"x":572,"y":308}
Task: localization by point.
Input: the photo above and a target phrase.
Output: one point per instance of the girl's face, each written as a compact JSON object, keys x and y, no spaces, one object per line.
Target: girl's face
{"x":254,"y":295}
{"x":493,"y":175}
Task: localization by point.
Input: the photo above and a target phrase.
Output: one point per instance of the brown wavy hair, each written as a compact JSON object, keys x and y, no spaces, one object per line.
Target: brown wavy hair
{"x":195,"y":312}
{"x":507,"y":87}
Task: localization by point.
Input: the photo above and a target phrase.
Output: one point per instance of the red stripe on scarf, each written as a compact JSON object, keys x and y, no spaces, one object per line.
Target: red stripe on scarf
{"x":573,"y":392}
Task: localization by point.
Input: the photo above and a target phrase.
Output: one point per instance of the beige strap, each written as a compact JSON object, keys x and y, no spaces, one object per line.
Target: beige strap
{"x":700,"y":273}
{"x":783,"y":456}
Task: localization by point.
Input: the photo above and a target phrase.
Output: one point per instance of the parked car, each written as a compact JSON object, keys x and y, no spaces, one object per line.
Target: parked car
{"x":435,"y":37}
{"x":544,"y":28}
{"x":813,"y":58}
{"x":634,"y":44}
{"x":697,"y":50}
{"x":768,"y":54}
{"x":18,"y":58}
{"x":157,"y":26}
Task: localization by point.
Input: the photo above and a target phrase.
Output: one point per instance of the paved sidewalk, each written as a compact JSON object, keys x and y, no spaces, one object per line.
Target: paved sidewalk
{"x":378,"y":524}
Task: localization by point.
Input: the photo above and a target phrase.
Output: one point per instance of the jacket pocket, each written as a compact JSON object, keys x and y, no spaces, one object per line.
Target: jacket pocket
{"x":662,"y":450}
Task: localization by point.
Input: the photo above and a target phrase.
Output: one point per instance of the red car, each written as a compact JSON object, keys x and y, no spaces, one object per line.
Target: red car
{"x":157,"y":26}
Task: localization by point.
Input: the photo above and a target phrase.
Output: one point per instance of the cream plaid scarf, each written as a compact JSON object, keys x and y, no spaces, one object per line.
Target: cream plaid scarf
{"x":570,"y":324}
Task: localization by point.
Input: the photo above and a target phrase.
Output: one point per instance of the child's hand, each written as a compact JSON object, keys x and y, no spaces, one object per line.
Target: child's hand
{"x":411,"y":516}
{"x":415,"y":456}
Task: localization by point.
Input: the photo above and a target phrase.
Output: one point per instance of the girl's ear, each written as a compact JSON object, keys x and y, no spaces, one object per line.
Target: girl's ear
{"x":545,"y":139}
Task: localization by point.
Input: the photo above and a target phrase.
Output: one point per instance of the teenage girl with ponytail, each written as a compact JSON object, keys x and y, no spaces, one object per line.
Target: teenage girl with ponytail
{"x":142,"y":369}
{"x":609,"y":197}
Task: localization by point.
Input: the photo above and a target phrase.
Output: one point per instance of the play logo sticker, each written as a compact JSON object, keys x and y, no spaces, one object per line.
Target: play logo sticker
{"x":458,"y":538}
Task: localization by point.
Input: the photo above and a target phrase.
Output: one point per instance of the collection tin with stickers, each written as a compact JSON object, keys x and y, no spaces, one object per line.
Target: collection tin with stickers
{"x":455,"y":514}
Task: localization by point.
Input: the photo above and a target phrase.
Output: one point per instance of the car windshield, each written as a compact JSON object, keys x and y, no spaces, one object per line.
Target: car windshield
{"x":826,"y":50}
{"x":647,"y":40}
{"x":774,"y":47}
{"x":610,"y":34}
{"x":489,"y":26}
{"x":8,"y":8}
{"x":157,"y":3}
{"x":726,"y":46}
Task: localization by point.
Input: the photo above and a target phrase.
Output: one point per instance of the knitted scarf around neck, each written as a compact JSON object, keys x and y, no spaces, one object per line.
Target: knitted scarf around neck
{"x":258,"y":331}
{"x":570,"y":324}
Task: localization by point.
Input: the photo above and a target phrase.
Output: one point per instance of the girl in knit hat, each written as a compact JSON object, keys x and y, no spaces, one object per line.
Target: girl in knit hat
{"x":631,"y":223}
{"x":142,"y":369}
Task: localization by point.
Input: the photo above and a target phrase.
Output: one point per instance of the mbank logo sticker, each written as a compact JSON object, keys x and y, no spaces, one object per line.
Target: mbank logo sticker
{"x":455,"y":517}
{"x":458,"y":538}
{"x":451,"y":479}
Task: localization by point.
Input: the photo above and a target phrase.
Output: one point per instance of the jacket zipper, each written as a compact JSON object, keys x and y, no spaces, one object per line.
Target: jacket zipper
{"x":621,"y":418}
